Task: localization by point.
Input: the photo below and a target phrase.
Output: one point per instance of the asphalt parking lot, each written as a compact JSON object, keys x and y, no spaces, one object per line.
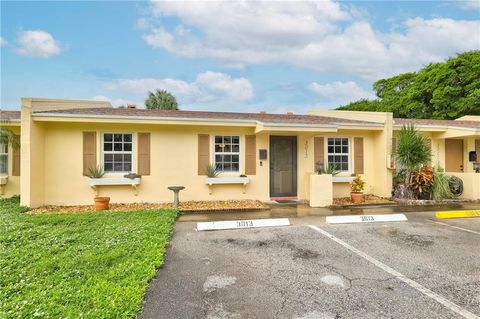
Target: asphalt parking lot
{"x":421,"y":268}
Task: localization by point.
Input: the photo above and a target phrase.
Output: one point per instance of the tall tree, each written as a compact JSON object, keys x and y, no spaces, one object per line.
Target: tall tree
{"x":445,"y":90}
{"x":161,"y":100}
{"x":6,"y":135}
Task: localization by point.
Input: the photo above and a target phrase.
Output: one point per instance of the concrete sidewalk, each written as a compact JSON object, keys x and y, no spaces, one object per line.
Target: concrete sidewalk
{"x":303,"y":210}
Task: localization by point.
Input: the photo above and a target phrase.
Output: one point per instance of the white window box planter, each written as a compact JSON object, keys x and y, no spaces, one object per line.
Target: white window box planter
{"x":210,"y":181}
{"x":95,"y":182}
{"x":343,"y":179}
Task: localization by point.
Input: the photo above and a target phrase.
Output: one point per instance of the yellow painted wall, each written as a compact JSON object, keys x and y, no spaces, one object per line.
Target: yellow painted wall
{"x":173,"y":162}
{"x":13,"y":185}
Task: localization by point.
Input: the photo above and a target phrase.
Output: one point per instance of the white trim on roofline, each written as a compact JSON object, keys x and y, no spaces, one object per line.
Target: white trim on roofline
{"x":443,"y":127}
{"x":160,"y":118}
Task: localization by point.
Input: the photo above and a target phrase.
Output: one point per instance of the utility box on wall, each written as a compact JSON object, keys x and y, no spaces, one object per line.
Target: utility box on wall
{"x":262,"y":154}
{"x":472,"y":156}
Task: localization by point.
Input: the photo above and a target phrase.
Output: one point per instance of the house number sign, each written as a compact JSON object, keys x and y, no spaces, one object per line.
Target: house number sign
{"x":366,"y":218}
{"x":239,"y":224}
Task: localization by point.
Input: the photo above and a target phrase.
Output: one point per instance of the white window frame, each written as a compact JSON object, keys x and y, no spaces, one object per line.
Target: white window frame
{"x":239,"y":153}
{"x":349,"y":154}
{"x":4,"y":153}
{"x":102,"y":160}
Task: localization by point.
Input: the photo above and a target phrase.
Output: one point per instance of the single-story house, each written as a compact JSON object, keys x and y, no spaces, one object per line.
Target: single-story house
{"x":260,"y":156}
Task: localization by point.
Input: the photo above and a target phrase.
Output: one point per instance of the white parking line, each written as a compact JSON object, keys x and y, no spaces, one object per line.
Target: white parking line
{"x":464,"y":229}
{"x":442,"y":300}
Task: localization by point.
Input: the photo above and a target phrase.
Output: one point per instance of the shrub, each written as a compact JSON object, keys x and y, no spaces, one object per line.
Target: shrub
{"x":357,"y":185}
{"x":422,"y":181}
{"x":440,"y":186}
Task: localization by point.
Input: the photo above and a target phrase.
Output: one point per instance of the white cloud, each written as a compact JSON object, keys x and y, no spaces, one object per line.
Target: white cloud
{"x":208,"y":87}
{"x":339,"y":92}
{"x":2,"y":42}
{"x":470,"y":4}
{"x":114,"y":102}
{"x":319,"y":35}
{"x":37,"y":43}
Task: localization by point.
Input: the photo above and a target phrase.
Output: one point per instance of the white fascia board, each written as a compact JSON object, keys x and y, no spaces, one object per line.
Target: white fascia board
{"x":182,"y":119}
{"x":440,"y":127}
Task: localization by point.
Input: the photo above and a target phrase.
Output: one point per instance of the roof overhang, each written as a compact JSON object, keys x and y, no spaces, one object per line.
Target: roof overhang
{"x":446,"y":129}
{"x":259,"y":125}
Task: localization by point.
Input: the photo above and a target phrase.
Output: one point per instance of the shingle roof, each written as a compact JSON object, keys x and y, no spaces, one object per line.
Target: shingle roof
{"x":443,"y":123}
{"x":10,"y":115}
{"x":199,"y":115}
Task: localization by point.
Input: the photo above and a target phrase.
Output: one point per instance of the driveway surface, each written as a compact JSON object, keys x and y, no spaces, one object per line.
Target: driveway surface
{"x":421,"y":268}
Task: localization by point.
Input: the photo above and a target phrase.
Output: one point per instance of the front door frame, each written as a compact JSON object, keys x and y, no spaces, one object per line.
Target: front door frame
{"x":449,"y":155}
{"x":294,"y":164}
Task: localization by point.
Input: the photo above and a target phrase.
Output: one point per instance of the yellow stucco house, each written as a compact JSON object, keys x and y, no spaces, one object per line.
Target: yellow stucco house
{"x":261,"y":156}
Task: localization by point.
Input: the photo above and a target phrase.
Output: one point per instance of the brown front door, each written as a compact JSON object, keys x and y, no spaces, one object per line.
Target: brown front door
{"x":283,"y":166}
{"x":453,"y":155}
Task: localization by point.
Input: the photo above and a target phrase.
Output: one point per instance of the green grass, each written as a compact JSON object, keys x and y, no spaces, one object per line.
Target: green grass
{"x":88,"y":265}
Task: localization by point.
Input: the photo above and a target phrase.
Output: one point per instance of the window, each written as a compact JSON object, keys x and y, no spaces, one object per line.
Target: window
{"x":338,"y":153}
{"x":117,"y":152}
{"x":227,"y":153}
{"x":3,"y":159}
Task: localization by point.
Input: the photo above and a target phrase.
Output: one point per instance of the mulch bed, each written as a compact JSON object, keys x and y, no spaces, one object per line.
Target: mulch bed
{"x":369,"y":200}
{"x":189,"y":206}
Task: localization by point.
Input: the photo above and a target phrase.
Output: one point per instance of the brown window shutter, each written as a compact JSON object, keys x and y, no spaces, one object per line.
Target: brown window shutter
{"x":16,"y":157}
{"x":89,"y":151}
{"x":143,"y":164}
{"x":358,"y":155}
{"x":203,"y":153}
{"x":318,"y":152}
{"x":250,"y":154}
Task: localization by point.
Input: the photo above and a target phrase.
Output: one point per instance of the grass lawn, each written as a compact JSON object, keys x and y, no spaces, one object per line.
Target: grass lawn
{"x":88,"y":265}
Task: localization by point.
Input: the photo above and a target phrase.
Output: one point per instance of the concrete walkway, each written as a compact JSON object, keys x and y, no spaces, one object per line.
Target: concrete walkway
{"x":303,"y":210}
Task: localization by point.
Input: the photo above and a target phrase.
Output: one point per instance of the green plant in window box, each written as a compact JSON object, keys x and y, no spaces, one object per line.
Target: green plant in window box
{"x":332,"y":170}
{"x":243,"y":175}
{"x":357,"y":186}
{"x":212,"y":171}
{"x":96,"y":172}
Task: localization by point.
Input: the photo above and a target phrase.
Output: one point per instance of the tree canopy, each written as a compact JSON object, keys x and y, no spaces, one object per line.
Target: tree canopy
{"x":161,"y":100}
{"x":445,"y":90}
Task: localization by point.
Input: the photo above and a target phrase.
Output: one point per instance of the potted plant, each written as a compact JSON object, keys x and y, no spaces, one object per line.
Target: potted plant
{"x":101,"y":202}
{"x":357,"y":186}
{"x":212,"y":171}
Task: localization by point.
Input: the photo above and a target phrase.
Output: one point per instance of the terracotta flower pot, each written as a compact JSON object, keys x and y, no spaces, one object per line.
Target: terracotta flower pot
{"x":101,"y":203}
{"x":357,"y":198}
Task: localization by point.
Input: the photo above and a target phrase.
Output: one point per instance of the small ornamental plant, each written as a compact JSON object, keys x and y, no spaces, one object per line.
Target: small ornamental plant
{"x":96,"y":172}
{"x":212,"y":171}
{"x":357,"y":186}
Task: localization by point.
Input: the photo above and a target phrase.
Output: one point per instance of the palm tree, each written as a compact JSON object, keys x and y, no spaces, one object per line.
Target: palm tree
{"x":161,"y":100}
{"x":7,"y":136}
{"x":413,"y":150}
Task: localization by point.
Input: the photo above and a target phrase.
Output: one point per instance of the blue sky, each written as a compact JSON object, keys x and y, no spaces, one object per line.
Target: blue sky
{"x":231,"y":56}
